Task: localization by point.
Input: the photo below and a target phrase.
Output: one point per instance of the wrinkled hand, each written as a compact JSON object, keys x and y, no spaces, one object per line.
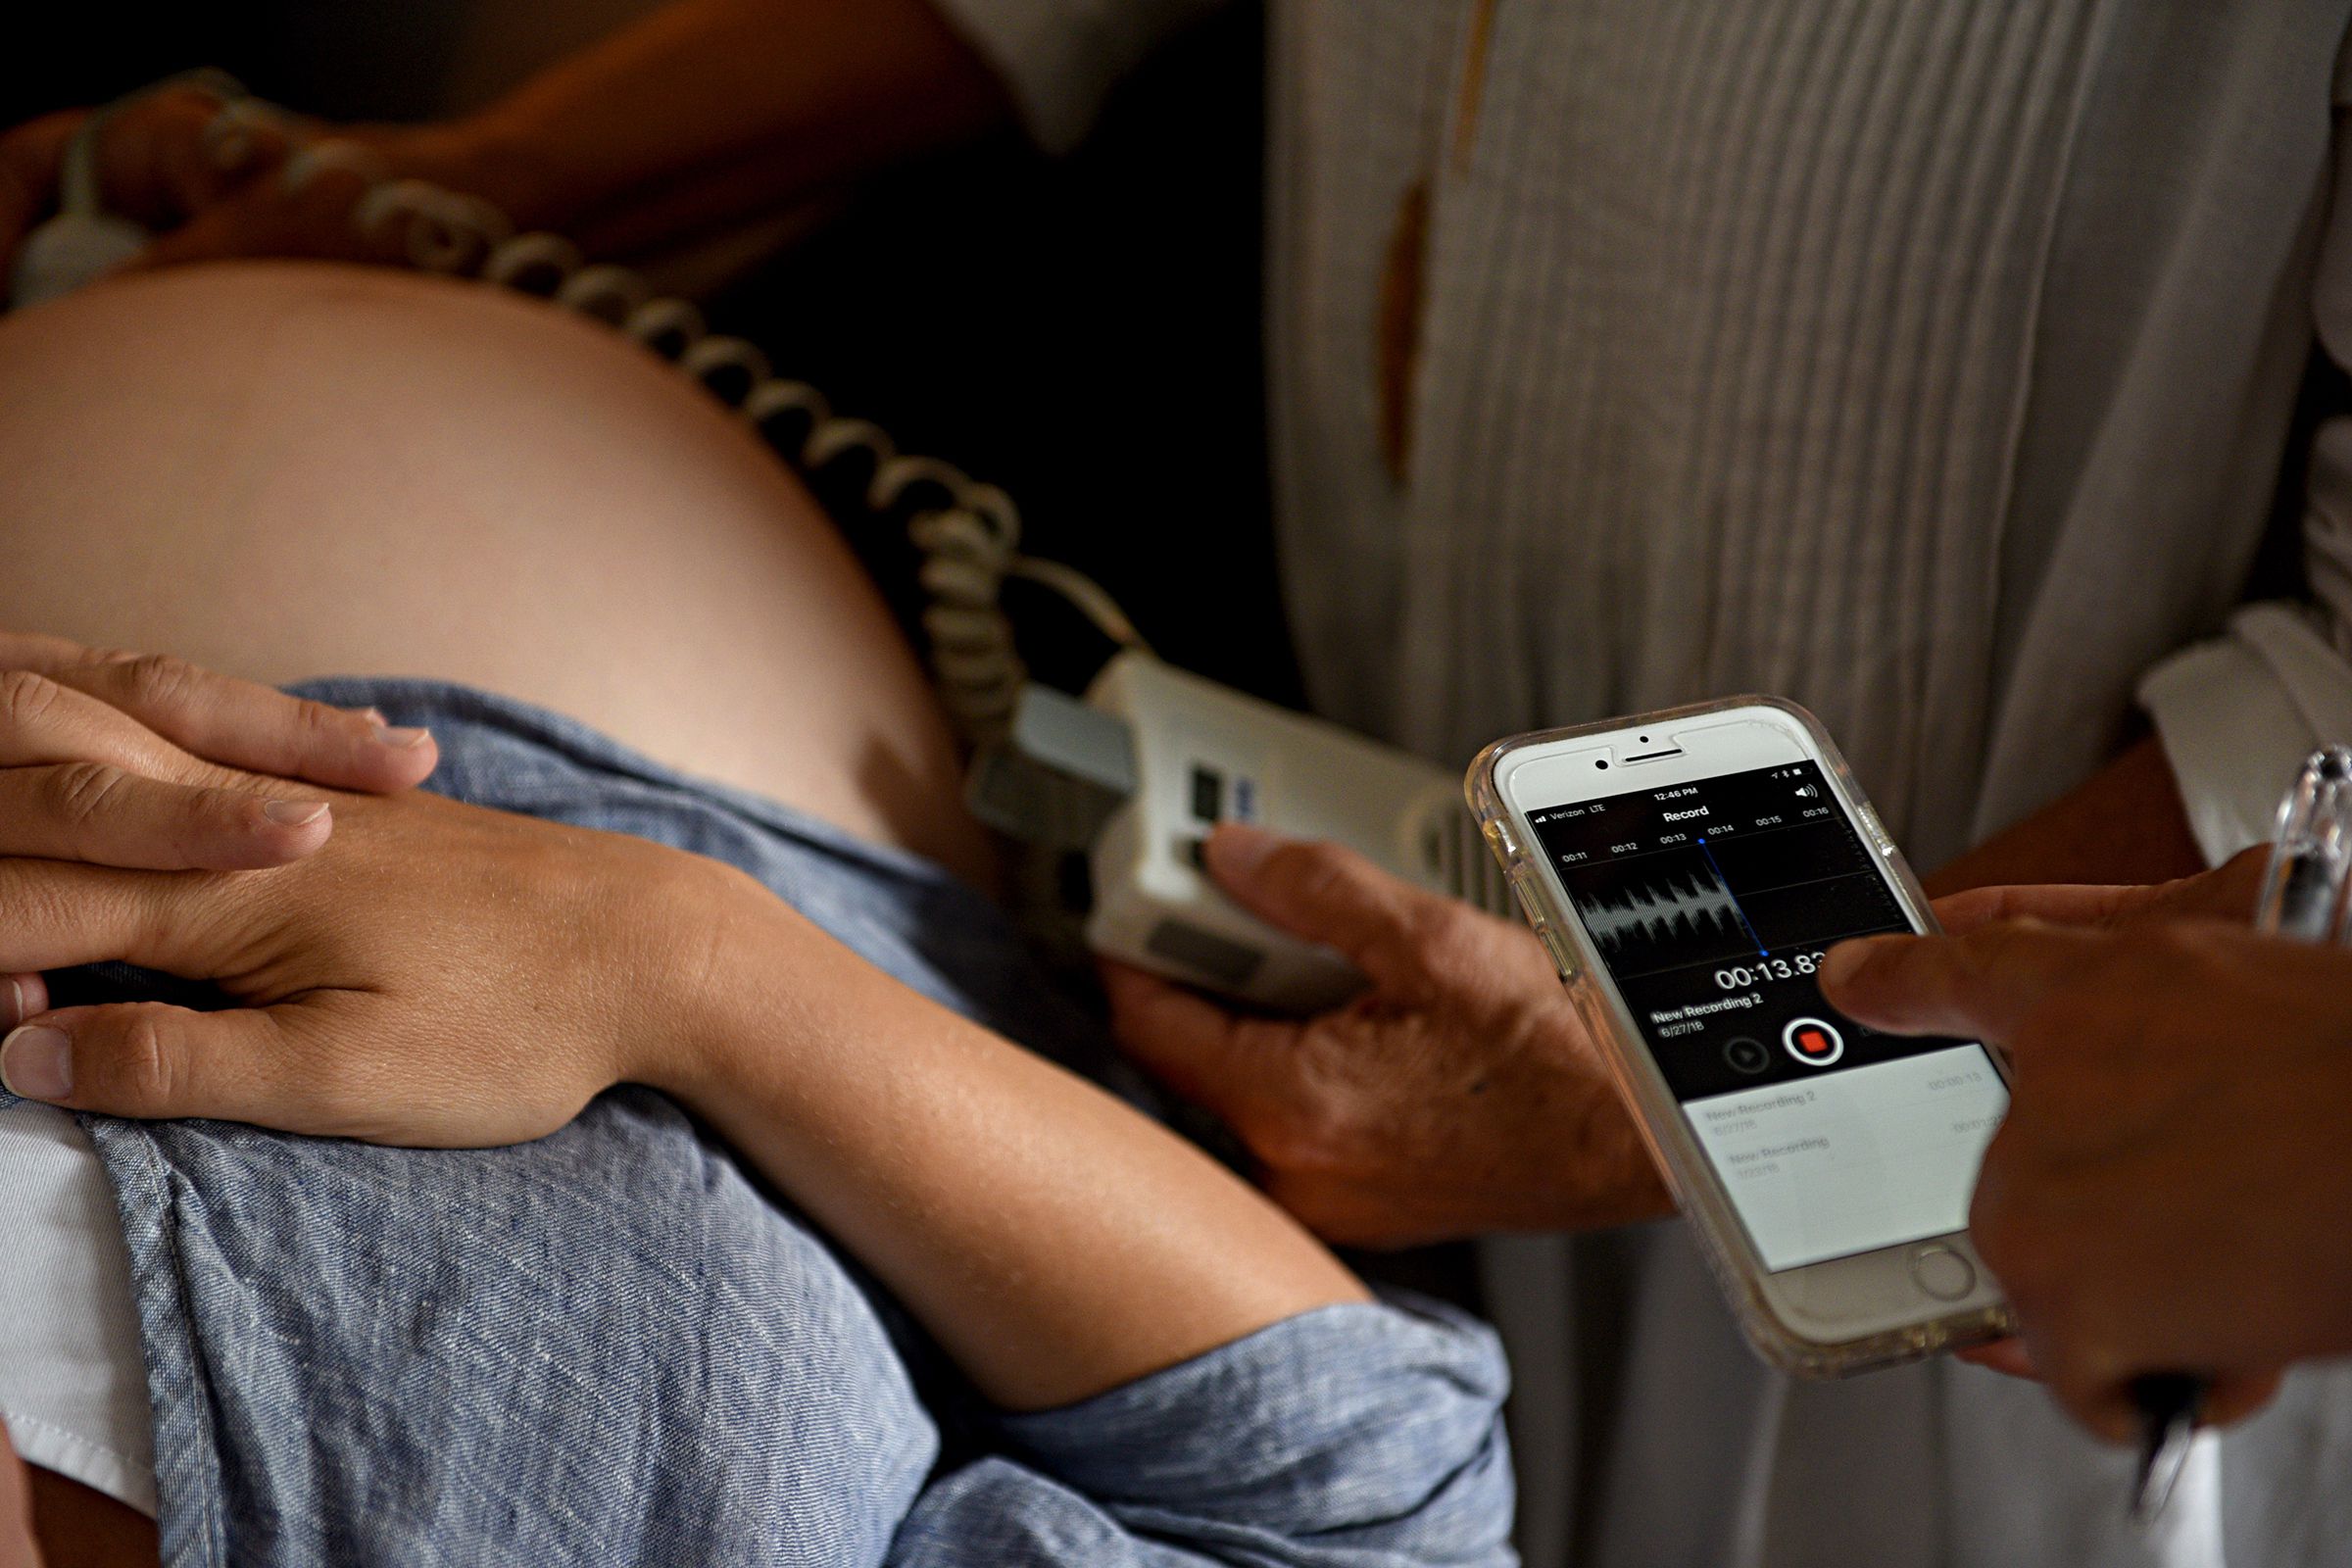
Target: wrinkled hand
{"x":438,"y":975}
{"x":164,"y":163}
{"x":2181,"y":1089}
{"x":1458,"y":1094}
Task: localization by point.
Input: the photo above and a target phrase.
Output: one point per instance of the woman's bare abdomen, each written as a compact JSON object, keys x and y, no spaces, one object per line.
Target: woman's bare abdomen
{"x":288,"y":469}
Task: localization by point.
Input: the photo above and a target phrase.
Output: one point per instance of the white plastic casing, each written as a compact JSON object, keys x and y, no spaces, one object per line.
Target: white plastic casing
{"x":1157,"y":909}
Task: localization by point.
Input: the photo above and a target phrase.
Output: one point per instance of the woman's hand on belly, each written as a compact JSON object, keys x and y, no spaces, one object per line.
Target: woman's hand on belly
{"x":440,"y":975}
{"x":115,"y":843}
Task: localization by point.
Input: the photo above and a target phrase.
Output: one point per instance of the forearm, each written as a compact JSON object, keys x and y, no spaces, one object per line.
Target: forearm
{"x":747,"y":104}
{"x":2124,"y":824}
{"x":1055,"y":1242}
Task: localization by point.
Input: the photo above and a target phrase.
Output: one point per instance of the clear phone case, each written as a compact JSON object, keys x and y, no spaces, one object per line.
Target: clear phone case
{"x":1722,"y":1237}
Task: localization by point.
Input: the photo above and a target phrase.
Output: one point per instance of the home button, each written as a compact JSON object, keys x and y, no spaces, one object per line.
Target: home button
{"x":1941,"y":1272}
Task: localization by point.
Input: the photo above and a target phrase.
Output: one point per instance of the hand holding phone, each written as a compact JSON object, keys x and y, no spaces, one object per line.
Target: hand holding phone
{"x":1687,"y":869}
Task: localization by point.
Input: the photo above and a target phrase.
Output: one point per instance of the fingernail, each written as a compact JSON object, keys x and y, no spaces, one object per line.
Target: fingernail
{"x":1239,"y":849}
{"x":376,"y":717}
{"x":293,"y":813}
{"x":37,"y":1063}
{"x":27,"y":996}
{"x":403,"y":738}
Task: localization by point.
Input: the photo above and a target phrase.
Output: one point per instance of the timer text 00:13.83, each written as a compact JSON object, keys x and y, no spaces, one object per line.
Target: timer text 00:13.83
{"x":1743,"y":976}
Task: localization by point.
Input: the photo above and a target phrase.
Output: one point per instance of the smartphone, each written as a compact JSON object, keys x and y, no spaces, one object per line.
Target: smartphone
{"x":1687,"y":869}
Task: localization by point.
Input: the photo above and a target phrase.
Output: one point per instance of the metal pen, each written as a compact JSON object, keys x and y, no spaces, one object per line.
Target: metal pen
{"x":2303,"y":899}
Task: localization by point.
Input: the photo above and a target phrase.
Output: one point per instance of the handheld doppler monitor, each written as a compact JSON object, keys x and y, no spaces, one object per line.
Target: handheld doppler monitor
{"x":1138,"y":774}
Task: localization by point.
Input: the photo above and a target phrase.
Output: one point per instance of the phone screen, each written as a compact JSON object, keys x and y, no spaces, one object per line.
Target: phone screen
{"x":1710,"y":903}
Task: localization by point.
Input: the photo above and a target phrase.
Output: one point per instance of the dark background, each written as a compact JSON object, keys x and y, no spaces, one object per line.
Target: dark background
{"x":1083,"y":333}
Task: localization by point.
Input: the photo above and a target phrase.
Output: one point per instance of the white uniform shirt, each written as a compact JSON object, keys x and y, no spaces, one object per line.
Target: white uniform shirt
{"x":1928,"y":362}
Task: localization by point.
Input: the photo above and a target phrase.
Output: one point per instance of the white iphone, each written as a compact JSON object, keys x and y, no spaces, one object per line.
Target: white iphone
{"x":1687,"y":869}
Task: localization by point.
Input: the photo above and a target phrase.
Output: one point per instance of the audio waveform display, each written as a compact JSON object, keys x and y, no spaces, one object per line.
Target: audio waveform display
{"x":1690,"y":904}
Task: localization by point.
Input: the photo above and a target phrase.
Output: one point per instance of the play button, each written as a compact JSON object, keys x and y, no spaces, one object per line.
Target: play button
{"x":1813,"y":1041}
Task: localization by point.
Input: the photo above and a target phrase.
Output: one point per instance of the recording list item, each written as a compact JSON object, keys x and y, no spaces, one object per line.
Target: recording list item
{"x":1887,"y":1150}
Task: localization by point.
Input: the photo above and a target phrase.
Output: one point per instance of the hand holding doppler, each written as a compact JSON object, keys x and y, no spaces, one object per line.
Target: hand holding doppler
{"x":1458,"y":1094}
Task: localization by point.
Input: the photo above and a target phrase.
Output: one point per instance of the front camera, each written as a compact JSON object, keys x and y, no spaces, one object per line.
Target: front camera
{"x":1601,"y":765}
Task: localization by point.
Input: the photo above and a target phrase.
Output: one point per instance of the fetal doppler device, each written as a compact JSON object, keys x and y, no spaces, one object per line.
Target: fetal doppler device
{"x":1138,"y":774}
{"x":1130,"y":778}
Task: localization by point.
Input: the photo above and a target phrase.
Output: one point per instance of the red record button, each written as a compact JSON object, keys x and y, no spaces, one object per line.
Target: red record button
{"x":1812,"y":1042}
